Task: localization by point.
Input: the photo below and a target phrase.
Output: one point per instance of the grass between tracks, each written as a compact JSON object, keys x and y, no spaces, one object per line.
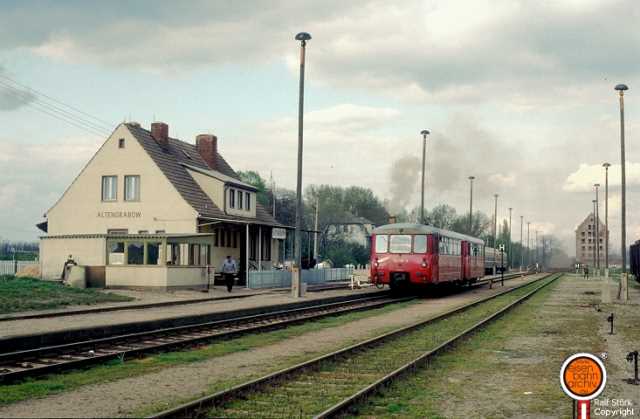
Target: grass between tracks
{"x":115,"y":370}
{"x":509,"y":369}
{"x":25,"y":294}
{"x":311,"y":392}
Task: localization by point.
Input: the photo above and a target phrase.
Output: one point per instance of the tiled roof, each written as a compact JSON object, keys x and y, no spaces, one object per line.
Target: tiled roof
{"x":172,"y":160}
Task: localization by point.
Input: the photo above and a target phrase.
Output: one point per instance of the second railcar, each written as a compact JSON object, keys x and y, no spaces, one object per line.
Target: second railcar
{"x":405,"y":254}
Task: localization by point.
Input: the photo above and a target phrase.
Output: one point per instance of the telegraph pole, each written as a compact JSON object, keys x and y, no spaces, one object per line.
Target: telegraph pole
{"x":495,"y":221}
{"x":509,"y":257}
{"x":471,"y":204}
{"x":521,"y":246}
{"x":315,"y":239}
{"x":528,"y":245}
{"x":597,"y":217}
{"x":606,"y":219}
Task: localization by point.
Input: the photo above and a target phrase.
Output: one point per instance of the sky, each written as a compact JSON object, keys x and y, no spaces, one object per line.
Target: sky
{"x":518,"y":94}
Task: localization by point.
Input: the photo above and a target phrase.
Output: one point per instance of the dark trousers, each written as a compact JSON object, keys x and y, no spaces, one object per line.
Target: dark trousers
{"x":228,"y":279}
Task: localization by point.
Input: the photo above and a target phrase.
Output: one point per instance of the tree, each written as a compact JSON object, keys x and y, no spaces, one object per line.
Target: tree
{"x":442,"y":216}
{"x":254,"y":179}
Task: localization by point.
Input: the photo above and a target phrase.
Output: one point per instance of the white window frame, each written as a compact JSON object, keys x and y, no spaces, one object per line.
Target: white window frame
{"x":136,"y":198}
{"x":232,"y":198}
{"x":104,"y":186}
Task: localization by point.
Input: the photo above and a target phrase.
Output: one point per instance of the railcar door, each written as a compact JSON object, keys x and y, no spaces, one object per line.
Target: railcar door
{"x":434,"y":246}
{"x":466,"y":262}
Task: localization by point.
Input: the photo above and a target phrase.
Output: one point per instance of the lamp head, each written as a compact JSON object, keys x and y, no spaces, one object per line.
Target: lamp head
{"x":303,"y":36}
{"x":471,"y":177}
{"x":606,"y":165}
{"x":621,"y":87}
{"x":425,"y":132}
{"x":597,"y":185}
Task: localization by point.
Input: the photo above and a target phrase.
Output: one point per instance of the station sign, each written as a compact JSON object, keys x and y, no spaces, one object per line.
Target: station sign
{"x":279,"y":233}
{"x":583,"y":377}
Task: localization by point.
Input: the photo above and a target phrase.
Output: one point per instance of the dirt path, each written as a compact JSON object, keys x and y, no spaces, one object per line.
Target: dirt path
{"x":127,"y":396}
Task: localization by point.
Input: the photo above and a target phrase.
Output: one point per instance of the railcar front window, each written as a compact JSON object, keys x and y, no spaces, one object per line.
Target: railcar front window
{"x":382,"y":244}
{"x":400,"y":244}
{"x":420,"y":244}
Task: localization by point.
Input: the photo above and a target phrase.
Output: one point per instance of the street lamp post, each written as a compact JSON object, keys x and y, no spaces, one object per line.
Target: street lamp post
{"x":471,"y":204}
{"x":623,"y":239}
{"x":495,"y":220}
{"x":424,"y":133}
{"x":594,"y":247}
{"x":528,"y":247}
{"x":606,"y":219}
{"x":521,"y":247}
{"x":597,"y":218}
{"x":536,"y":246}
{"x":296,"y":283}
{"x":509,"y":257}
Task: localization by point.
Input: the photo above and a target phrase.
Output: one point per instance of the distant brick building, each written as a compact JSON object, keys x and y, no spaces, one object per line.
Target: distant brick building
{"x":586,"y":241}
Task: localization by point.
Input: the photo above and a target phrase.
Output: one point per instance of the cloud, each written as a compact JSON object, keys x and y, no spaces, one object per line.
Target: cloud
{"x":439,"y":52}
{"x":583,"y":179}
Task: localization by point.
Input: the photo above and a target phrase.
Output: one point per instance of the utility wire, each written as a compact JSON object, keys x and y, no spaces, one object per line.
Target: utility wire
{"x":61,"y":117}
{"x":106,"y":124}
{"x":28,"y":97}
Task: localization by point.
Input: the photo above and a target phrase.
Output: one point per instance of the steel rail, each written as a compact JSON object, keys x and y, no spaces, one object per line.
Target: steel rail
{"x":343,"y":406}
{"x":39,"y":361}
{"x":199,"y":407}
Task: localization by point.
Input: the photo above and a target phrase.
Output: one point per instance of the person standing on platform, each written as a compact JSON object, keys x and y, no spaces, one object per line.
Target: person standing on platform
{"x":229,"y":270}
{"x":586,"y":271}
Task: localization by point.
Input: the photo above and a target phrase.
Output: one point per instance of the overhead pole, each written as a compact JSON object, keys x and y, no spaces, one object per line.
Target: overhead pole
{"x":424,"y":133}
{"x":495,"y":220}
{"x":296,"y":283}
{"x":606,"y":219}
{"x":471,"y":178}
{"x":521,"y":243}
{"x":621,"y":88}
{"x":528,"y":245}
{"x":509,"y":257}
{"x":594,"y":247}
{"x":597,"y":219}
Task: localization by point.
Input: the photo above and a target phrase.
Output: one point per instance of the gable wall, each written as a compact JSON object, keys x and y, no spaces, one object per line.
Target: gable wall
{"x":81,"y":211}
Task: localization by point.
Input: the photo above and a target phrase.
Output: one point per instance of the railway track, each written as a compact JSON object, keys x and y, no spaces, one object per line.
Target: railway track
{"x":21,"y":364}
{"x":33,"y":362}
{"x":331,"y":385}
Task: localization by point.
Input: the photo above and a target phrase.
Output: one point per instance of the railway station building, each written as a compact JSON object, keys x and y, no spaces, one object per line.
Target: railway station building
{"x":149,"y":210}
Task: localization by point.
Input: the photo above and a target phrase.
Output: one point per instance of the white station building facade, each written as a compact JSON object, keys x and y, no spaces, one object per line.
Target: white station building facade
{"x":152,"y":211}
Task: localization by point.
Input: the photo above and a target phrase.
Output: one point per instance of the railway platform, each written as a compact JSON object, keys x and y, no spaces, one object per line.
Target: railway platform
{"x":150,"y":310}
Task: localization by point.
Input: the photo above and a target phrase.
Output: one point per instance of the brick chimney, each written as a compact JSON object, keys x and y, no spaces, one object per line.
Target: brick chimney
{"x":207,"y":146}
{"x":160,"y":133}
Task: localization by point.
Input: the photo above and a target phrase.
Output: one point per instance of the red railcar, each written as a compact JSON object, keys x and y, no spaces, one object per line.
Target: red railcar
{"x":404,"y":255}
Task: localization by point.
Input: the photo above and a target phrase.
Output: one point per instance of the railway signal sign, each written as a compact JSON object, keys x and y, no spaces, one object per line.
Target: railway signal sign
{"x":583,"y":377}
{"x":501,"y":247}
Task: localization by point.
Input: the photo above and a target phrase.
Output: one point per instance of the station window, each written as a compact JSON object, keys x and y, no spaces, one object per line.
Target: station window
{"x":132,"y":188}
{"x":121,"y":143}
{"x":247,"y":201}
{"x":240,"y":195}
{"x":109,"y":188}
{"x":135,"y":253}
{"x":153,"y":253}
{"x":116,"y":253}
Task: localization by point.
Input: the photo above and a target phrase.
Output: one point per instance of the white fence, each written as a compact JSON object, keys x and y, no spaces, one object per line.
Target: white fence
{"x":11,"y":267}
{"x":282,"y":279}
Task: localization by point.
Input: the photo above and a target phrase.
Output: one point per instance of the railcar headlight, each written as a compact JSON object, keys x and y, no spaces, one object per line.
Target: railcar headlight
{"x":424,"y":263}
